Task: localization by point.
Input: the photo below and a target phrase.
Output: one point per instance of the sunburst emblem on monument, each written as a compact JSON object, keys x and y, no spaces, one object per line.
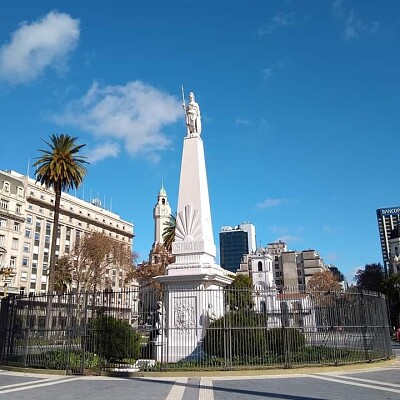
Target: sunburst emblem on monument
{"x":188,"y":224}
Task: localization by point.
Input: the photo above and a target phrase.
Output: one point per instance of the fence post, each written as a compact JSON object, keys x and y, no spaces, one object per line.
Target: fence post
{"x":5,"y":303}
{"x":85,"y":333}
{"x":364,"y":326}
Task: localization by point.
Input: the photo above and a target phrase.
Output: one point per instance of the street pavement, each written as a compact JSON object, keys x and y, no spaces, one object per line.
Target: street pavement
{"x":372,"y":383}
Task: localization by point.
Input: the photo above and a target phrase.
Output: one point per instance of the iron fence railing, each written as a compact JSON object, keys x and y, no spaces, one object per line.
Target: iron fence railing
{"x":149,"y":329}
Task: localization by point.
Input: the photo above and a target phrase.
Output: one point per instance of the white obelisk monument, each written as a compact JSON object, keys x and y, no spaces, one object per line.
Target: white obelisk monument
{"x":194,"y":282}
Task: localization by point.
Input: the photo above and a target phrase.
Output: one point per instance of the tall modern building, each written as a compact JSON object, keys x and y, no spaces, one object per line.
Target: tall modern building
{"x":26,"y":223}
{"x":234,"y":243}
{"x":388,"y":220}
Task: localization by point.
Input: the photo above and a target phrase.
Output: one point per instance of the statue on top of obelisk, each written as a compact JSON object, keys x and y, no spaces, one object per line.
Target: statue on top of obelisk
{"x":193,"y":118}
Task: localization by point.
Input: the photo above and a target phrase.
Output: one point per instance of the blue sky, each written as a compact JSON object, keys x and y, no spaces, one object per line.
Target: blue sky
{"x":299,"y":103}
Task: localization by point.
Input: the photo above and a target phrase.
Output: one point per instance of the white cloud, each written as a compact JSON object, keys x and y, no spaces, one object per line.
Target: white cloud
{"x":270,"y":71}
{"x":241,"y":121}
{"x":279,"y":20}
{"x":289,"y":238}
{"x":337,"y":8}
{"x":267,"y":73}
{"x":352,"y":26}
{"x":330,"y":229}
{"x":267,"y":203}
{"x":134,"y":114}
{"x":103,"y":151}
{"x":39,"y":45}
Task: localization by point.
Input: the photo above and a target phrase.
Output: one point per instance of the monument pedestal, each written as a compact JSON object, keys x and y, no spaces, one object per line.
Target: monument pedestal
{"x":191,"y":302}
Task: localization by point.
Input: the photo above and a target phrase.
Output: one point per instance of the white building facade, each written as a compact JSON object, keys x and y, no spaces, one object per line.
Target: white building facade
{"x":286,"y":269}
{"x":26,"y":223}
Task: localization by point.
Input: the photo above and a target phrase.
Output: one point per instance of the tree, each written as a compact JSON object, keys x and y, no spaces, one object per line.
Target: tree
{"x":392,"y":290}
{"x":323,"y":281}
{"x":151,"y":294}
{"x":169,"y":232}
{"x":371,"y":278}
{"x":147,"y":271}
{"x":94,"y":255}
{"x":239,"y":293}
{"x":63,"y":274}
{"x":60,"y":168}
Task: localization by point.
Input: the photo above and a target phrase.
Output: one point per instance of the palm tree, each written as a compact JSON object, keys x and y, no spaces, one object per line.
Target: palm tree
{"x":169,"y":232}
{"x":59,"y":168}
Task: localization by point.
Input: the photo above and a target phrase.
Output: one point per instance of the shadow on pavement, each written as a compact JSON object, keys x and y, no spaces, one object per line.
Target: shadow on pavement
{"x":244,"y":392}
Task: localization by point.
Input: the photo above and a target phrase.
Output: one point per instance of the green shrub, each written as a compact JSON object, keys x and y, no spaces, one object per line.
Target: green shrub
{"x":281,"y":340}
{"x":113,"y":339}
{"x":63,"y":359}
{"x":238,"y":333}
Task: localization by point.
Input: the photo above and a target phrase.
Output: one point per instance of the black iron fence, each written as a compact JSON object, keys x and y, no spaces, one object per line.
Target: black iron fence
{"x":145,"y":329}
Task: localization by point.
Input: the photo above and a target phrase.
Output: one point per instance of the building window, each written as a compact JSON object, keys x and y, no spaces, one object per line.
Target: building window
{"x":13,"y":261}
{"x":20,"y":191}
{"x":30,"y":206}
{"x":2,"y":240}
{"x":18,"y":208}
{"x":41,"y":210}
{"x":4,"y":204}
{"x":3,"y":223}
{"x":29,"y":219}
{"x":27,"y":247}
{"x":14,"y":245}
{"x":24,"y":276}
{"x":28,"y":233}
{"x":6,"y":186}
{"x":17,"y":226}
{"x":25,"y":262}
{"x":260,"y":268}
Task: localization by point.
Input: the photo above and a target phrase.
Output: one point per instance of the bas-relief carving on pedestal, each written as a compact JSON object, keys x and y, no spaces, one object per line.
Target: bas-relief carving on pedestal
{"x":188,"y":225}
{"x":184,"y":313}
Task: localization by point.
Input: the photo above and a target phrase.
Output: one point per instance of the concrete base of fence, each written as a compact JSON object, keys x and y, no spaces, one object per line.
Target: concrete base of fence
{"x":28,"y":370}
{"x":254,"y":373}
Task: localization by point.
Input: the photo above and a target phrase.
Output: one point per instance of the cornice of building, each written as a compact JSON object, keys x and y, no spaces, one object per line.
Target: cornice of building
{"x":83,"y":218}
{"x":12,"y":215}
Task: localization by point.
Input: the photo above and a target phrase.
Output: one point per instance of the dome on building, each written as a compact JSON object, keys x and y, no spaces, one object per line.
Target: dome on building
{"x":395,"y":234}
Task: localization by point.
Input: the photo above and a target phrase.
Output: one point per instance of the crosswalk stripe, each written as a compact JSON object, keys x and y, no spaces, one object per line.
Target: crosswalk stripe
{"x":396,"y":385}
{"x":206,"y":391}
{"x":176,"y":392}
{"x":28,"y":383}
{"x":344,"y":382}
{"x":37,"y":385}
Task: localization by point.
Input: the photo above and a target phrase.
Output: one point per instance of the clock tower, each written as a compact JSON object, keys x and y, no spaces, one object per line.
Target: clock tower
{"x":161,"y":214}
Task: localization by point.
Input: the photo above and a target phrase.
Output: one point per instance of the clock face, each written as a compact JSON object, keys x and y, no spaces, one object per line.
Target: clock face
{"x":163,"y":210}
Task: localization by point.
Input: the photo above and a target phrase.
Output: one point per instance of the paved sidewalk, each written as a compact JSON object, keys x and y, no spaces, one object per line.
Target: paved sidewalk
{"x":366,"y":382}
